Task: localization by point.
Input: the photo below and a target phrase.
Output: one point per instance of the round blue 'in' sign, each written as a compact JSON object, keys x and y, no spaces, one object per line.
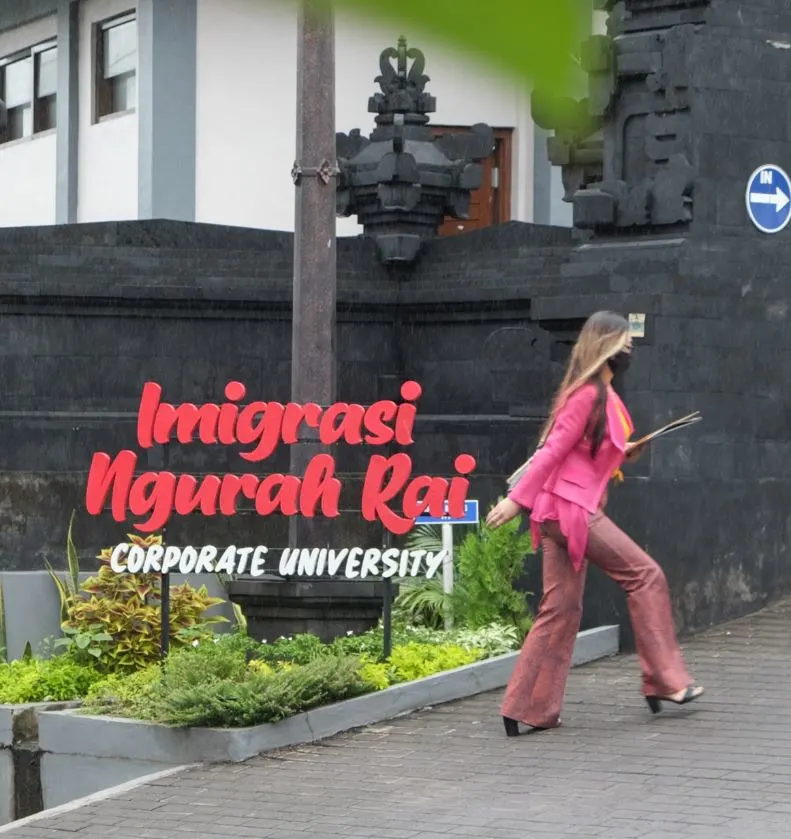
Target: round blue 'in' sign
{"x":768,"y":198}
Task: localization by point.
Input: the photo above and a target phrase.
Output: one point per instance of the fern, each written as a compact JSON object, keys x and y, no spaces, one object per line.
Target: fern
{"x":487,"y":564}
{"x":423,"y":602}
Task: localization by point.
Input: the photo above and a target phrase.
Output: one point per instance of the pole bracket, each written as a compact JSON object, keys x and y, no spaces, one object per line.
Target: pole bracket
{"x":324,"y":171}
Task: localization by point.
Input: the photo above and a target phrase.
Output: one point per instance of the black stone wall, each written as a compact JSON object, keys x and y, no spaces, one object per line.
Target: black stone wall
{"x":91,"y":312}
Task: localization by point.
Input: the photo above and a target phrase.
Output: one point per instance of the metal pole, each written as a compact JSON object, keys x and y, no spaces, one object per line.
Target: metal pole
{"x":447,"y":569}
{"x":387,"y":610}
{"x":315,"y":270}
{"x":165,"y":617}
{"x":164,"y":586}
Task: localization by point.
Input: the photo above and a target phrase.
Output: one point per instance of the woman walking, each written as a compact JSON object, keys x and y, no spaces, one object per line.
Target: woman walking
{"x":582,"y":446}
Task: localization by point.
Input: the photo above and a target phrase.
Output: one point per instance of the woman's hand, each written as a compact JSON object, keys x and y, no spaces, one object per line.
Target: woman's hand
{"x":502,"y":513}
{"x":634,"y":451}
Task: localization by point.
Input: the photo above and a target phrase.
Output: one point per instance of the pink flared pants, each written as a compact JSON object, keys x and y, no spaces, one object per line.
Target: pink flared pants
{"x":534,"y":695}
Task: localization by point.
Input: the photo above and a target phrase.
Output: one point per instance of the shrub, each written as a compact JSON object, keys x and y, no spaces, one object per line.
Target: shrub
{"x":260,"y":698}
{"x":84,"y":646}
{"x":127,"y":608}
{"x":375,"y":674}
{"x":487,"y":564}
{"x":301,"y":649}
{"x":495,"y":639}
{"x":236,"y":681}
{"x":123,"y":694}
{"x":54,"y":680}
{"x":416,"y":661}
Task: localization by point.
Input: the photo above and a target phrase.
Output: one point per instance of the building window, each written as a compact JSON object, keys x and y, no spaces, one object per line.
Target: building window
{"x":116,"y":66}
{"x":28,"y":87}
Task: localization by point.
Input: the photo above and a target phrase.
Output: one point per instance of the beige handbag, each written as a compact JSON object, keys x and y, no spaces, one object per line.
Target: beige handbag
{"x":514,"y":478}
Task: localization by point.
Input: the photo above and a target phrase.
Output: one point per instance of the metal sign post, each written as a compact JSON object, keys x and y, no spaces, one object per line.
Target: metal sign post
{"x":164,"y":586}
{"x":164,"y":644}
{"x":387,"y":609}
{"x":471,"y":516}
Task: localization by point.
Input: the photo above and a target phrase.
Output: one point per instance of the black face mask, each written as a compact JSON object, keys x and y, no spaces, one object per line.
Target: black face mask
{"x":620,"y":363}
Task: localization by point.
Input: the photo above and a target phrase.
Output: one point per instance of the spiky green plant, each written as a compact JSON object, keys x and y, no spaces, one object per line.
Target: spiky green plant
{"x":238,"y":614}
{"x":68,"y":587}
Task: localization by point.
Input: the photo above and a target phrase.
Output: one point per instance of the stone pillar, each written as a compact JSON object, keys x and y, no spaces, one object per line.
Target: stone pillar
{"x":313,"y":370}
{"x":68,"y":112}
{"x":167,"y":33}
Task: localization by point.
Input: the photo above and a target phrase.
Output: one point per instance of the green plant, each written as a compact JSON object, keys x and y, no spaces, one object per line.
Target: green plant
{"x":493,"y":640}
{"x":416,"y":661}
{"x":300,"y":649}
{"x":33,"y":680}
{"x":82,"y":645}
{"x":425,"y":602}
{"x":375,"y":673}
{"x":238,"y":614}
{"x":69,"y":587}
{"x":259,"y":698}
{"x":428,"y":537}
{"x":127,"y":607}
{"x":489,"y":563}
{"x":120,"y":694}
{"x":486,"y":565}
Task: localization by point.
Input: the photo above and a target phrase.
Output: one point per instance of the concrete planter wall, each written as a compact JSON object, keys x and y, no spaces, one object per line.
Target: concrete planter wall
{"x":20,"y":776}
{"x":83,"y":754}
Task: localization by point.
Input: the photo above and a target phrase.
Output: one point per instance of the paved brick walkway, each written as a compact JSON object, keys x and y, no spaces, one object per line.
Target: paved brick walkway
{"x":718,"y":770}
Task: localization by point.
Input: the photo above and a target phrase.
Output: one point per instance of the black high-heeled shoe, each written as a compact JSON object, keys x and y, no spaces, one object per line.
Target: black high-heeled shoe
{"x":655,"y":702}
{"x":512,"y":727}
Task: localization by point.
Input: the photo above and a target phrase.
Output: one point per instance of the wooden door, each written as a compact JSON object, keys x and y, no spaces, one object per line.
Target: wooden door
{"x":490,"y":204}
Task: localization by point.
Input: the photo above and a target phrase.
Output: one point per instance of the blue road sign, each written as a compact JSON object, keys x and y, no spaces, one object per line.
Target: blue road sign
{"x":470,"y":516}
{"x":768,"y":198}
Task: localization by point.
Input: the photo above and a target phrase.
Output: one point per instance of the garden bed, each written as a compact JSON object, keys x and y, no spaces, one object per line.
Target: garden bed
{"x":226,"y":697}
{"x":83,"y":753}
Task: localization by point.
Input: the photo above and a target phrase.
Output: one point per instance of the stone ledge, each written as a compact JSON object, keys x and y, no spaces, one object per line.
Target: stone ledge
{"x":109,"y":738}
{"x":19,"y":723}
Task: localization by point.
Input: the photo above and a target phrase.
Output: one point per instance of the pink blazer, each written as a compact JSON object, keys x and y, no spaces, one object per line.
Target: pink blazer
{"x":564,"y":466}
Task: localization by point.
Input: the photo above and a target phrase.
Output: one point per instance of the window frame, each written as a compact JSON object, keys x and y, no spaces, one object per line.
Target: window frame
{"x":97,"y":51}
{"x":32,"y":52}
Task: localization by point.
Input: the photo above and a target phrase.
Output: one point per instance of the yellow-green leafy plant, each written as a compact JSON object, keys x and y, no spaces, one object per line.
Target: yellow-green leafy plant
{"x":416,"y":661}
{"x":127,"y":607}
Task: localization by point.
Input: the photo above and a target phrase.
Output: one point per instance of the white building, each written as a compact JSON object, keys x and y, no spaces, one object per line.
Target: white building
{"x":186,"y":109}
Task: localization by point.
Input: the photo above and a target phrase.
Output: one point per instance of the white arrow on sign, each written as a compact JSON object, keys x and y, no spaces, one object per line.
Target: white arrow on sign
{"x":779,"y":199}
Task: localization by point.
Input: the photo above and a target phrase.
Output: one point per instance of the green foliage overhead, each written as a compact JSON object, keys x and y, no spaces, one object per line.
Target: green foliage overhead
{"x":532,"y":40}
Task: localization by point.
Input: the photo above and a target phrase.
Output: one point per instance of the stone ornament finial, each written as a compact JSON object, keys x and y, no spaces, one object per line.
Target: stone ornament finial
{"x":401,"y":181}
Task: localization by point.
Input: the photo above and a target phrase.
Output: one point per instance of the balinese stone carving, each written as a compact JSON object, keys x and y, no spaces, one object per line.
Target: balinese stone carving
{"x":401,"y":182}
{"x":626,"y":150}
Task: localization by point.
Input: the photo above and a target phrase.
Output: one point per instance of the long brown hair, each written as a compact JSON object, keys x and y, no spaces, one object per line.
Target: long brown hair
{"x":604,"y":335}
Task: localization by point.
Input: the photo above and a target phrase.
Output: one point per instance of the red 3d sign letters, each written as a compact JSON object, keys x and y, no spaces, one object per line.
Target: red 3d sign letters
{"x":258,"y":428}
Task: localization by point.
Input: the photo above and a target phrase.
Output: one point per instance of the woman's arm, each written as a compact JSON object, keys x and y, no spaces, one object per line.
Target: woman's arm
{"x":568,"y":430}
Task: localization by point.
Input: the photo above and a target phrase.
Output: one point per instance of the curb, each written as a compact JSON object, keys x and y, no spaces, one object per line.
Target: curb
{"x":96,"y":748}
{"x":69,"y":733}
